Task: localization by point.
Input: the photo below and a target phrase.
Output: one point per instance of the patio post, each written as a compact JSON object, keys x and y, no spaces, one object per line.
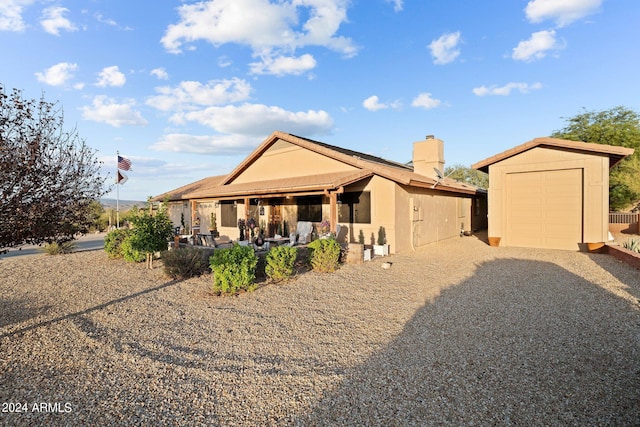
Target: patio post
{"x":333,"y":211}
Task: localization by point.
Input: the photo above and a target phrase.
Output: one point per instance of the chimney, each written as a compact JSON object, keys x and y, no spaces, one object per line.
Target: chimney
{"x":427,"y":155}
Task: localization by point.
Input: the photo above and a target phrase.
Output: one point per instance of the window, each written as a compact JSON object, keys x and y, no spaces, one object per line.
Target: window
{"x":310,"y":208}
{"x":229,"y":213}
{"x":355,"y":207}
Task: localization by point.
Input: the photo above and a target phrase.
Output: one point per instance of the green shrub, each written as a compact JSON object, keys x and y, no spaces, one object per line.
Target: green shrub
{"x":632,"y":245}
{"x":113,"y":241}
{"x":324,"y":255}
{"x":234,"y":269}
{"x":55,"y":248}
{"x":185,"y":263}
{"x":130,"y":254}
{"x":280,"y":262}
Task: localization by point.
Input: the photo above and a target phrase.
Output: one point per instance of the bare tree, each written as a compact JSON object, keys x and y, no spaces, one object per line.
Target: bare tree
{"x":48,"y":176}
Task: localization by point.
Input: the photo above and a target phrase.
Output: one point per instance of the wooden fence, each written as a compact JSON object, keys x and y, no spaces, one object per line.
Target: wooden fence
{"x":624,"y":222}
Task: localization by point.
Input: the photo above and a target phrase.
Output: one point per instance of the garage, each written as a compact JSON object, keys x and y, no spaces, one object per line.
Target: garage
{"x":550,"y":193}
{"x":544,"y":209}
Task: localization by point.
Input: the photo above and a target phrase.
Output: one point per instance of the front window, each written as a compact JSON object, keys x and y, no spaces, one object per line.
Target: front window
{"x":309,"y":208}
{"x":355,"y":207}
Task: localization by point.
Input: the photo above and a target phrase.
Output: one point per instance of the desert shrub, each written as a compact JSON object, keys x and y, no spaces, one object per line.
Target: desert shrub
{"x":185,"y":263}
{"x":113,"y":241}
{"x":632,"y":245}
{"x":55,"y":248}
{"x":130,"y":254}
{"x":280,"y":262}
{"x":324,"y":255}
{"x":234,"y":269}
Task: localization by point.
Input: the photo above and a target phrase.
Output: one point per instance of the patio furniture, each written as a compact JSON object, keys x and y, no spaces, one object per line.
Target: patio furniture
{"x":305,"y":228}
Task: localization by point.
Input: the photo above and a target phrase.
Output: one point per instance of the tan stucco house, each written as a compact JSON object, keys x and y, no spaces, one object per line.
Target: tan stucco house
{"x":550,"y":193}
{"x":288,"y":179}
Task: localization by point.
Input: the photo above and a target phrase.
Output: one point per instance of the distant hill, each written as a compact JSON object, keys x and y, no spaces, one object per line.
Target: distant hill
{"x":124,"y":204}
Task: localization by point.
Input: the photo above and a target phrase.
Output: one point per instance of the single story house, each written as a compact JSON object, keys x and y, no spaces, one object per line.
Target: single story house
{"x":550,"y":193}
{"x":288,"y":179}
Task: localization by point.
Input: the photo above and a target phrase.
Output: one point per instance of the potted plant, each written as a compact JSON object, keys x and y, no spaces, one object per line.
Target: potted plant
{"x":213,"y":228}
{"x":366,"y":252}
{"x":241,"y":228}
{"x":382,"y":248}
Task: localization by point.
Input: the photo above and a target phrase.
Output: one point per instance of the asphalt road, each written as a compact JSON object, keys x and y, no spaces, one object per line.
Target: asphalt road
{"x":88,"y":242}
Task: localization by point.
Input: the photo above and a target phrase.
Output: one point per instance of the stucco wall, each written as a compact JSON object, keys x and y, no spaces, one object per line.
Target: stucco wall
{"x":284,"y":160}
{"x":595,"y":187}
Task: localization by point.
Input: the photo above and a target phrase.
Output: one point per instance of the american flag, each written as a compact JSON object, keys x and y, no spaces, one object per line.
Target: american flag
{"x":124,"y":163}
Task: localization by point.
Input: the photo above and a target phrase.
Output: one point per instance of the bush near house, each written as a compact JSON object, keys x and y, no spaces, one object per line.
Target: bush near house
{"x":280,"y":262}
{"x":129,"y":253}
{"x":185,"y":263}
{"x":234,"y":269}
{"x":113,"y":242}
{"x":324,"y":255}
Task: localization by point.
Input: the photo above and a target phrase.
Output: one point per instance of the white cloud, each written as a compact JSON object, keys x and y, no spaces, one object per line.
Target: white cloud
{"x":258,"y":120}
{"x":160,"y":73}
{"x":445,"y":49}
{"x":283,"y":65}
{"x":107,"y":110}
{"x":111,"y":76}
{"x":372,"y":103}
{"x":190,"y":94}
{"x":397,"y":4}
{"x":562,"y":12}
{"x":506,"y":89}
{"x":425,"y":100}
{"x":206,"y":144}
{"x":57,"y":75}
{"x":271,"y":29}
{"x":536,"y":47}
{"x":53,"y":20}
{"x":11,"y":14}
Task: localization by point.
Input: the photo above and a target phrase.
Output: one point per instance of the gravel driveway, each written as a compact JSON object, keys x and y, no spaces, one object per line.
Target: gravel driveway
{"x":458,"y":333}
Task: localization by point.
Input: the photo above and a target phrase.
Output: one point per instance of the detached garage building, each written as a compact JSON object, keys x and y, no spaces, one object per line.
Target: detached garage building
{"x":550,"y":193}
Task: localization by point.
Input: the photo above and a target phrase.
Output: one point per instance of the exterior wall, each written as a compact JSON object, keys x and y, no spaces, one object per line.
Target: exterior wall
{"x":176,"y":210}
{"x":424,"y":216}
{"x":383,"y":212}
{"x":284,"y":160}
{"x":595,"y":188}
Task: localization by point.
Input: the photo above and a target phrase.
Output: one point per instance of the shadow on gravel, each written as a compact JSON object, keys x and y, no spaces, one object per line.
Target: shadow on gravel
{"x":20,"y":310}
{"x":520,"y":343}
{"x":86,"y":311}
{"x":630,"y":276}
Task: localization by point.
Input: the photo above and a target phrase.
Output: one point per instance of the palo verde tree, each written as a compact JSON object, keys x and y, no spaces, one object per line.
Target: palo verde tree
{"x":48,"y":176}
{"x":618,"y":126}
{"x":467,"y":175}
{"x":151,"y":232}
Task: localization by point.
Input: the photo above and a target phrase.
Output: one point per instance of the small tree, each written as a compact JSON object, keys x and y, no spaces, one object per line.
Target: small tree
{"x":49,"y":177}
{"x":151,"y":232}
{"x":618,"y":126}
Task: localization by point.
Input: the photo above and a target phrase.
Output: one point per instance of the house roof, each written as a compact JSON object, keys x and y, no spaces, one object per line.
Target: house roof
{"x":614,"y":153}
{"x":366,"y":165}
{"x":181,"y":192}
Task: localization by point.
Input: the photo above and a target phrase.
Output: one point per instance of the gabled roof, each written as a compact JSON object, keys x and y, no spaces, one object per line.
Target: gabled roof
{"x":181,"y":192}
{"x":614,"y":153}
{"x":367,"y":165}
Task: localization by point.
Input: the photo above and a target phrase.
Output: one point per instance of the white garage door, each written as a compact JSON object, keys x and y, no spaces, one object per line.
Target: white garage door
{"x":544,"y":209}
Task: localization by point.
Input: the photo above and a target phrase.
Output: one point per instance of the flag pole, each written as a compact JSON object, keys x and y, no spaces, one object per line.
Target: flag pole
{"x":117,"y":192}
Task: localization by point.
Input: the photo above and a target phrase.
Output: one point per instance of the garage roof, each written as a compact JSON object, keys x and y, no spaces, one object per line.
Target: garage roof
{"x":615,"y":153}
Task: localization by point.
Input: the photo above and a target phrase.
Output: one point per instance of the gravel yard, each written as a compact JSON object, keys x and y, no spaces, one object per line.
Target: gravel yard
{"x":457,"y":333}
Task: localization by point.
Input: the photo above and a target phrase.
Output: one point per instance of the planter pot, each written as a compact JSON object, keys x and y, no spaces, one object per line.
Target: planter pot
{"x":355,"y":253}
{"x":381,"y":250}
{"x":595,"y":247}
{"x":494,"y":241}
{"x":367,"y":254}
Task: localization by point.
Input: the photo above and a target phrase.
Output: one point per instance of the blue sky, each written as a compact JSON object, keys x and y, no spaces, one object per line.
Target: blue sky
{"x":187,"y":89}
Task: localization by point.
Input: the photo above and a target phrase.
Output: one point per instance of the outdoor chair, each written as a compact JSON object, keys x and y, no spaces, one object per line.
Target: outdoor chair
{"x":305,"y":228}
